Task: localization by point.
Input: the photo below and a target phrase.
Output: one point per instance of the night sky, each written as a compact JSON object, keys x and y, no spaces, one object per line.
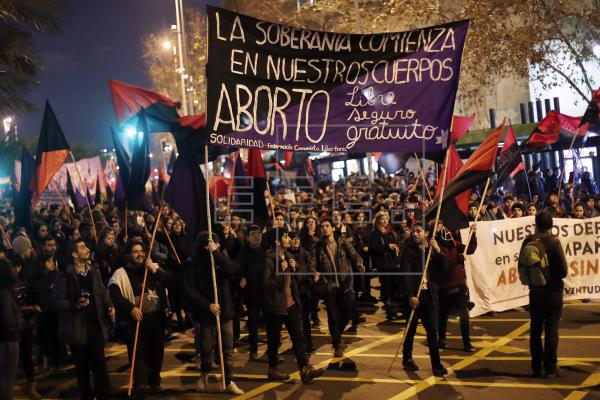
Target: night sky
{"x":101,"y":40}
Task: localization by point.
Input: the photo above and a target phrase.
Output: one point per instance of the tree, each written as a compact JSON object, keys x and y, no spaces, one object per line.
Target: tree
{"x":19,"y":63}
{"x":506,"y":38}
{"x":162,"y":63}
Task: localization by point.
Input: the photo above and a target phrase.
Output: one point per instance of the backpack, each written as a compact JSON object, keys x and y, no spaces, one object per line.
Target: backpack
{"x":533,"y":264}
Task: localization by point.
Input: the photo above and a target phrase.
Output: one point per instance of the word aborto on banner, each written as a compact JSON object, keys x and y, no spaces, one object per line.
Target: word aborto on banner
{"x":273,"y":86}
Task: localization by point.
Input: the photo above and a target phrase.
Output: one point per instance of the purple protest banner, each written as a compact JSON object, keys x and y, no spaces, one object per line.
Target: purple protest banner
{"x":276,"y":87}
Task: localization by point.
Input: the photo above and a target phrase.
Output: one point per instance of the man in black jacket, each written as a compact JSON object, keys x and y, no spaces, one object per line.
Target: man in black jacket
{"x":251,"y":260}
{"x":546,"y":302}
{"x":84,"y":310}
{"x":11,"y":323}
{"x":125,"y":288}
{"x":413,"y":258}
{"x":282,"y":306}
{"x":333,"y":260}
{"x":199,"y":292}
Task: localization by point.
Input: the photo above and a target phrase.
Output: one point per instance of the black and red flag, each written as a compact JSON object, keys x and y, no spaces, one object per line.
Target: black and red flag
{"x":475,"y":171}
{"x":256,"y":169}
{"x":510,"y":161}
{"x":454,"y":165}
{"x":592,"y":113}
{"x":557,"y":130}
{"x":23,"y":203}
{"x":52,"y":152}
{"x":460,"y":125}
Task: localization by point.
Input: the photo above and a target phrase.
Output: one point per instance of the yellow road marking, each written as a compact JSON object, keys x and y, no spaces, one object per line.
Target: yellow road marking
{"x":591,"y":381}
{"x":432,"y":380}
{"x":272,"y":385}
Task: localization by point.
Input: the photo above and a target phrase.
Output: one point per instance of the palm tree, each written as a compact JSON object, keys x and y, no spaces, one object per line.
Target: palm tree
{"x":19,"y":62}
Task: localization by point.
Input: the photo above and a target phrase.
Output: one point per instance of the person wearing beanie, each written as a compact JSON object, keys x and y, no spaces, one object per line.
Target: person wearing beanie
{"x":517,"y":210}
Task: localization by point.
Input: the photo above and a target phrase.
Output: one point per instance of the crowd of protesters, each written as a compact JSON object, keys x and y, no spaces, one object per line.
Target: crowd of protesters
{"x":74,"y":281}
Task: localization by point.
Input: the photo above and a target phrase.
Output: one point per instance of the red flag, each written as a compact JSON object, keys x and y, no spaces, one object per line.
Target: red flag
{"x":454,"y":165}
{"x":556,"y":128}
{"x":256,"y":167}
{"x":592,"y":113}
{"x":288,"y":157}
{"x":460,"y":126}
{"x":129,"y":99}
{"x":52,"y":152}
{"x":475,"y":171}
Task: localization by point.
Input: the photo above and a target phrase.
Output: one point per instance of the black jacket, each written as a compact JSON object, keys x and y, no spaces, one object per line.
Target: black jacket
{"x":156,"y":282}
{"x":252,"y":262}
{"x":346,"y":259}
{"x":556,"y":257}
{"x":40,"y":285}
{"x":305,"y":276}
{"x":412,"y":260}
{"x":11,"y":321}
{"x":198,"y":285}
{"x":384,"y":259}
{"x":274,"y":301}
{"x":73,"y":323}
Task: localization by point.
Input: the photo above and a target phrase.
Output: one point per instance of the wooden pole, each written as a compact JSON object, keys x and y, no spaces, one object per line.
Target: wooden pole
{"x":422,"y":175}
{"x":230,"y":187}
{"x":126,"y":219}
{"x":213,"y":272}
{"x":137,"y":326}
{"x":437,"y":219}
{"x":64,"y":204}
{"x":487,"y":184}
{"x":271,"y":202}
{"x":562,"y":172}
{"x":87,"y":202}
{"x":171,"y":244}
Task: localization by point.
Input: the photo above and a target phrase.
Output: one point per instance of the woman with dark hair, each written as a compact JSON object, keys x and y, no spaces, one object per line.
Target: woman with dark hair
{"x":308,"y":233}
{"x":106,"y":255}
{"x":384,"y":252}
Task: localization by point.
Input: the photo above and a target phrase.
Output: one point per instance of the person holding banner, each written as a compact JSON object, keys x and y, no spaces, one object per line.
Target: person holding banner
{"x":454,"y":294}
{"x":412,"y":258}
{"x":282,"y":306}
{"x":545,"y":301}
{"x":125,"y":288}
{"x":198,"y":289}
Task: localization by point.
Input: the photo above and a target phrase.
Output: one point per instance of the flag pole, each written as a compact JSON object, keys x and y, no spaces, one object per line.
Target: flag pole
{"x":231,"y":183}
{"x":5,"y":237}
{"x":562,"y":172}
{"x":213,"y":272}
{"x":137,"y":326}
{"x":64,"y":204}
{"x":125,"y":218}
{"x":87,"y":201}
{"x":422,"y":175}
{"x":271,"y":202}
{"x":487,"y":184}
{"x":171,"y":244}
{"x":437,"y":219}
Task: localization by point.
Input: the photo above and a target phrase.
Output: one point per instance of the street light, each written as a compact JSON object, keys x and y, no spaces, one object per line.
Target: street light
{"x":166,"y":44}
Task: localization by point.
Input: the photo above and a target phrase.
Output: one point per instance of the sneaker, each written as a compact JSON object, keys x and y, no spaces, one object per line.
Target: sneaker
{"x":439,"y":371}
{"x":232,"y":388}
{"x":442,"y":344}
{"x":276,"y":375}
{"x":309,"y":373}
{"x":469,"y":348}
{"x":352,"y":329}
{"x":409,"y":365}
{"x":253,"y":357}
{"x":202,"y":383}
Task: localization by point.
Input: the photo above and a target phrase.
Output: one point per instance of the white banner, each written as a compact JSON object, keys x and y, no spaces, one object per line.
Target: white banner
{"x":90,"y":170}
{"x":492,"y":274}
